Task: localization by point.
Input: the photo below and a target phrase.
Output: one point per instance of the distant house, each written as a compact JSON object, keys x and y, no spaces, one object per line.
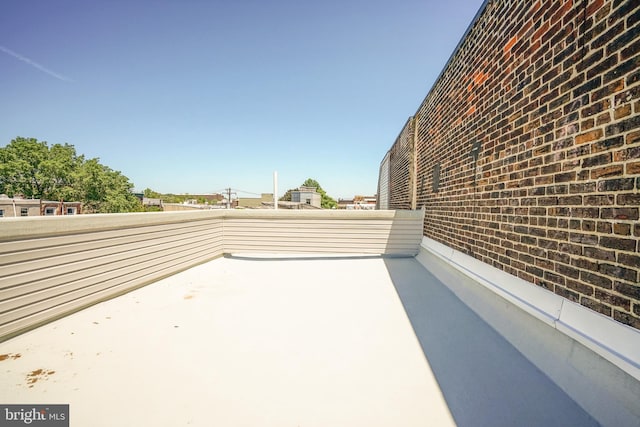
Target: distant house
{"x":19,"y":206}
{"x":48,"y":208}
{"x":151,"y":202}
{"x":358,"y":202}
{"x":370,"y":200}
{"x":307,"y":195}
{"x":344,"y":203}
{"x":265,"y":200}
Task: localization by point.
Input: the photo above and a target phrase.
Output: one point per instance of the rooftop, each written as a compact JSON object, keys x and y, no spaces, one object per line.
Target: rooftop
{"x":278,"y":341}
{"x":298,"y":318}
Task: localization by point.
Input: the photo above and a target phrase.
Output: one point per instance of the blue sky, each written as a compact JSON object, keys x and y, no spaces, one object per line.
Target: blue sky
{"x":195,"y":96}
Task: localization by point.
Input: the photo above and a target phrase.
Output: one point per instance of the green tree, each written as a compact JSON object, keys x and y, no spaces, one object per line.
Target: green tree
{"x":103,"y":190}
{"x":59,"y":171}
{"x":149,"y":193}
{"x":31,"y":168}
{"x":286,"y":197}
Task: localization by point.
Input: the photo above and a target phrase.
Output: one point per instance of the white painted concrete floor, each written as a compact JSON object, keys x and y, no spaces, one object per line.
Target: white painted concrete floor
{"x":300,"y":341}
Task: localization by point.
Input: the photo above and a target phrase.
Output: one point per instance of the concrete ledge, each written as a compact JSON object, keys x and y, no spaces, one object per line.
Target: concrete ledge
{"x":590,"y":357}
{"x":12,"y":229}
{"x":612,"y":340}
{"x":29,"y":227}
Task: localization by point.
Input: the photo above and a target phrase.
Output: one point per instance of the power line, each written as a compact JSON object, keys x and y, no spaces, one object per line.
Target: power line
{"x":237,"y":190}
{"x":247,"y":192}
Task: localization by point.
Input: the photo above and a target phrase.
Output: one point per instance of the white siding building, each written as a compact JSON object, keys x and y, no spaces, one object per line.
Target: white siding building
{"x":307,"y":195}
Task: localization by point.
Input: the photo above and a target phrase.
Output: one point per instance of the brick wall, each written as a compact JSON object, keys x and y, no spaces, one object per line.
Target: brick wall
{"x":534,"y":128}
{"x":400,"y":162}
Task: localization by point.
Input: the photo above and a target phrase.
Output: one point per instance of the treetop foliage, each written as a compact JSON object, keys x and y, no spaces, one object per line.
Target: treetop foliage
{"x":34,"y":169}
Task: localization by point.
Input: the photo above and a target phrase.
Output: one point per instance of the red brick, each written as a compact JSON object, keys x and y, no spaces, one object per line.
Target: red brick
{"x":613,"y":300}
{"x":596,"y":279}
{"x":631,"y":291}
{"x":618,"y":243}
{"x":620,"y":213}
{"x":630,"y":260}
{"x":596,"y":306}
{"x":622,"y":112}
{"x":589,"y":136}
{"x":632,"y":199}
{"x":606,"y":171}
{"x":621,"y":273}
{"x":633,"y":168}
{"x":627,"y":319}
{"x":622,"y":229}
{"x":633,"y":137}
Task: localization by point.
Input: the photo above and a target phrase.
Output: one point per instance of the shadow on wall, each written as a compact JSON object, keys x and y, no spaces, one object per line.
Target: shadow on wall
{"x":484,"y":379}
{"x":405,"y":235}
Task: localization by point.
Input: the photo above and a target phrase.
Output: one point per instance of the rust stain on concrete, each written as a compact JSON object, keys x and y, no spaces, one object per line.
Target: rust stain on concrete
{"x":12,"y":356}
{"x":38,"y":374}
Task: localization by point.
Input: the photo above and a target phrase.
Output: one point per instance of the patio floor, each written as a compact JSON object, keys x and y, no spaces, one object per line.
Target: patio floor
{"x":283,"y":341}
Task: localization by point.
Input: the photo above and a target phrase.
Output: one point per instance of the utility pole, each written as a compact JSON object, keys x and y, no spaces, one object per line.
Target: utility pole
{"x":228,"y":190}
